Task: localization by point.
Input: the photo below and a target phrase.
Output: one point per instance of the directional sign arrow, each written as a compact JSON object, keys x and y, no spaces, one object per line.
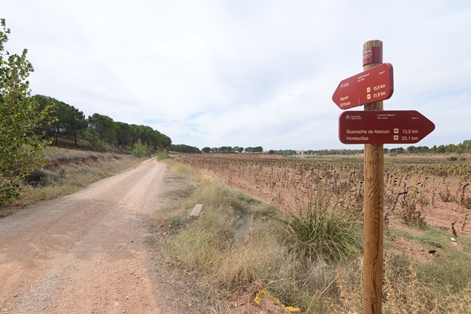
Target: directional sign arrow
{"x":383,"y":127}
{"x":366,"y":87}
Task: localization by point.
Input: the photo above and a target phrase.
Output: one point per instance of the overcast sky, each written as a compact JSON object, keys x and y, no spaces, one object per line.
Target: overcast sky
{"x":245,"y":72}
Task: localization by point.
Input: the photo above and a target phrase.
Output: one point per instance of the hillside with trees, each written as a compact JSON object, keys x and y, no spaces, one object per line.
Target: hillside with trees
{"x":67,"y":125}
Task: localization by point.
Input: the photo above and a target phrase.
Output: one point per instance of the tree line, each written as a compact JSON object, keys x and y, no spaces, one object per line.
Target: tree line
{"x":182,"y":148}
{"x":64,"y":121}
{"x":464,"y":147}
{"x":230,"y":149}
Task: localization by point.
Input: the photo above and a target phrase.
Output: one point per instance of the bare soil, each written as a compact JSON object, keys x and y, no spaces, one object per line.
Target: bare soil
{"x":90,"y":252}
{"x":244,"y":156}
{"x":438,"y":214}
{"x":266,"y":181}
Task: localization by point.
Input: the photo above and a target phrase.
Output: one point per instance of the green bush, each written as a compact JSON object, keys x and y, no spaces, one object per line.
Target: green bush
{"x":162,"y":154}
{"x":140,"y":150}
{"x":452,"y":158}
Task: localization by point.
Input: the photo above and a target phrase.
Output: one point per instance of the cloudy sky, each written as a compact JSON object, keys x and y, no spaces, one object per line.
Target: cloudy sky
{"x":245,"y":72}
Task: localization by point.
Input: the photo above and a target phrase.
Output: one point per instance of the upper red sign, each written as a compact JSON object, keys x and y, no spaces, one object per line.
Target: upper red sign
{"x":366,"y":87}
{"x":373,"y":55}
{"x":383,"y":127}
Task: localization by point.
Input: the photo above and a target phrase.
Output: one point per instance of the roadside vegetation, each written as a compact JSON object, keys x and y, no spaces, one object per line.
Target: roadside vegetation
{"x":308,"y":257}
{"x":21,"y":149}
{"x":68,"y":172}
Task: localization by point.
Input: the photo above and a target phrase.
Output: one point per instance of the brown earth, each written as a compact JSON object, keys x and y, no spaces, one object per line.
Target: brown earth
{"x":88,"y":252}
{"x":258,"y":181}
{"x":244,"y":156}
{"x":437,"y":214}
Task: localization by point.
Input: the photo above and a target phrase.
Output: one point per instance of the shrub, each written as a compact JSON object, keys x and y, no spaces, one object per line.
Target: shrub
{"x":317,"y":231}
{"x":140,"y":150}
{"x":162,"y":154}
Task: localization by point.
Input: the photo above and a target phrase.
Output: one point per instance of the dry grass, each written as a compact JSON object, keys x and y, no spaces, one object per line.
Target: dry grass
{"x":238,"y":245}
{"x":404,"y":293}
{"x":70,"y":171}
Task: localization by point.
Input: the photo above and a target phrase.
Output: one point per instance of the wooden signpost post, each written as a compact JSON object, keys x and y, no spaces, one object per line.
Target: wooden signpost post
{"x":374,"y":205}
{"x":375,"y":127}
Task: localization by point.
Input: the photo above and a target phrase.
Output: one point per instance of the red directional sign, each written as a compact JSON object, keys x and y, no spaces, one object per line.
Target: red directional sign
{"x":366,"y":87}
{"x":383,"y":127}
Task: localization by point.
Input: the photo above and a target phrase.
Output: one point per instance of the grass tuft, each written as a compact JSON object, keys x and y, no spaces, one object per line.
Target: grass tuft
{"x":317,"y":231}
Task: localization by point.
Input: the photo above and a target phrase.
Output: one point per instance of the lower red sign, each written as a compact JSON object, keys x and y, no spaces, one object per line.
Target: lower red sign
{"x":383,"y":127}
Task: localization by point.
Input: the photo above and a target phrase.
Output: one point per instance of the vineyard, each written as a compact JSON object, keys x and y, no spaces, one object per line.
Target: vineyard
{"x":304,"y":243}
{"x":418,"y":192}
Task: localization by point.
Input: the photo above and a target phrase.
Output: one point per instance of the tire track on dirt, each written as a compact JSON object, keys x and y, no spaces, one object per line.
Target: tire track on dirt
{"x":84,"y":253}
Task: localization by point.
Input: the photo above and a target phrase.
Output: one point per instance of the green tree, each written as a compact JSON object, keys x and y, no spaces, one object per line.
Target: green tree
{"x":460,"y":148}
{"x":101,"y":126}
{"x":68,"y":121}
{"x":21,"y":149}
{"x":154,"y":139}
{"x":225,"y":149}
{"x":206,"y":150}
{"x":257,"y":149}
{"x":441,"y":149}
{"x":467,"y":146}
{"x":423,"y":149}
{"x":133,"y":134}
{"x":164,"y":141}
{"x":146,"y":134}
{"x":450,"y":148}
{"x":123,"y":134}
{"x":183,"y":148}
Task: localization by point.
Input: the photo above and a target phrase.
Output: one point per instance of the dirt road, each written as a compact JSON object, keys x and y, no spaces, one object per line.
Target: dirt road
{"x":84,"y":253}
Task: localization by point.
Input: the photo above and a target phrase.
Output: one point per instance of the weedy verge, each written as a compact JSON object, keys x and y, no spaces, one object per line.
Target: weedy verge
{"x":240,"y":244}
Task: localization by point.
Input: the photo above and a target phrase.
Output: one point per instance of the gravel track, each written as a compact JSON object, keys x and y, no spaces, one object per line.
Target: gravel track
{"x":87,"y":252}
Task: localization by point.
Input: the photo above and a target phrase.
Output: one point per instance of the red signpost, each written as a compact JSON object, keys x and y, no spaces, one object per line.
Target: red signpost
{"x":375,"y":127}
{"x":366,"y":87}
{"x":383,"y":127}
